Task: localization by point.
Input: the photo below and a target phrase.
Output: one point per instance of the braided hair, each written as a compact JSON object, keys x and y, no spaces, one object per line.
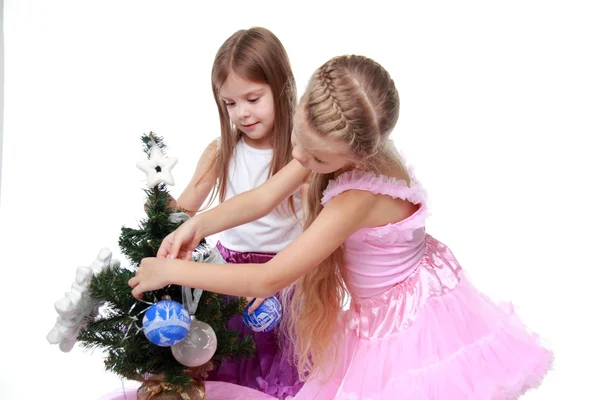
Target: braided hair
{"x":352,"y":99}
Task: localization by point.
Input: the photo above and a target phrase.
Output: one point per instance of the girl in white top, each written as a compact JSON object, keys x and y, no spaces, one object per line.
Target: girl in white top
{"x":249,"y":167}
{"x":255,"y":93}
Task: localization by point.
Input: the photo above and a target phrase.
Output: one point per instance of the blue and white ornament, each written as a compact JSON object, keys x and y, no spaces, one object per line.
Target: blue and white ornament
{"x":265,"y":318}
{"x":166,"y":323}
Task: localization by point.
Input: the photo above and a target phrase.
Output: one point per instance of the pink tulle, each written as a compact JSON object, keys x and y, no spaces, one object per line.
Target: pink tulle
{"x":378,"y":184}
{"x":461,"y":346}
{"x":416,"y":328}
{"x":214,"y":391}
{"x":433,"y":337}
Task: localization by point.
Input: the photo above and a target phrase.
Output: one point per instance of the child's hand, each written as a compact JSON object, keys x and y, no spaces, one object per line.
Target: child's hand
{"x":255,"y":305}
{"x":180,"y":243}
{"x":151,"y":275}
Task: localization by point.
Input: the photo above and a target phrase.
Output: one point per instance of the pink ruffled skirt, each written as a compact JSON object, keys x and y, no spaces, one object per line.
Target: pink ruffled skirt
{"x":432,"y":336}
{"x":214,"y":391}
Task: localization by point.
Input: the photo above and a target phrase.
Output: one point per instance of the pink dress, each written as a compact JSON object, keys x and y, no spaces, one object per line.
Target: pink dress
{"x":214,"y":391}
{"x":416,"y":328}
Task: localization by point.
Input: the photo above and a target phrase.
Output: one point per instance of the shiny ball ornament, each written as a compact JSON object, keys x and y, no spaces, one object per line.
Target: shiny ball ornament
{"x":166,"y":323}
{"x":265,"y":318}
{"x":198,"y":347}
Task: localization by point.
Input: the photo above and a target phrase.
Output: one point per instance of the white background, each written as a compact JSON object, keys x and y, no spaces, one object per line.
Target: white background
{"x":500,"y":104}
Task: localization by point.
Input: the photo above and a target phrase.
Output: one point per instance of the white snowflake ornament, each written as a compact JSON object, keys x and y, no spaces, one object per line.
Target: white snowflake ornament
{"x":76,"y":305}
{"x":158,"y":168}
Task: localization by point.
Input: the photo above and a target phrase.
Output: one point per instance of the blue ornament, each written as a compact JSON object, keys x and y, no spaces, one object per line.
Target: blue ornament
{"x":265,"y":317}
{"x":166,"y":323}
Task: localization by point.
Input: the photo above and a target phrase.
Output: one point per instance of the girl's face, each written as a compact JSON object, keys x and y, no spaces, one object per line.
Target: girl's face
{"x":318,"y":154}
{"x":251,"y":108}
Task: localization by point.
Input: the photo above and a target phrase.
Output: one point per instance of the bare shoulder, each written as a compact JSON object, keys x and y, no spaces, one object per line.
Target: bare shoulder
{"x":212,"y":148}
{"x":208,"y":155}
{"x":372,"y":210}
{"x":203,"y":180}
{"x":354,"y":205}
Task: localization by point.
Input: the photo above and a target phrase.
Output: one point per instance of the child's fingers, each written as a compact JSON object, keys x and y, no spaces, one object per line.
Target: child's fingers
{"x":137,"y":292}
{"x":166,"y":244}
{"x":255,"y":305}
{"x":174,"y":251}
{"x":133,"y":282}
{"x":162,"y":252}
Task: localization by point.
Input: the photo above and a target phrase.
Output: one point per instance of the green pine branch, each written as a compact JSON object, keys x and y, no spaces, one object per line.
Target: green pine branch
{"x":150,"y":140}
{"x":118,"y":328}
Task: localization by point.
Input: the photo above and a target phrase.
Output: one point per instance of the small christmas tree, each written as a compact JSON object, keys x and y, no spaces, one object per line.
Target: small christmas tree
{"x":117,"y":328}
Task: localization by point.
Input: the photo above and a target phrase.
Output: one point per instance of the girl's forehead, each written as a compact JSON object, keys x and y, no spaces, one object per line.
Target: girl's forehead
{"x":236,"y":85}
{"x":310,"y":140}
{"x":299,"y":122}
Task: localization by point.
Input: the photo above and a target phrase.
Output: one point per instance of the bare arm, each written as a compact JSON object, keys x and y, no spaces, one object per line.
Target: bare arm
{"x":253,"y":204}
{"x":342,"y":216}
{"x":202,"y":182}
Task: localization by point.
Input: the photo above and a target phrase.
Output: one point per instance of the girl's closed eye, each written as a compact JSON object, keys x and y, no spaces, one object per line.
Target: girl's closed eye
{"x":229,"y":104}
{"x":254,"y":100}
{"x":318,"y":161}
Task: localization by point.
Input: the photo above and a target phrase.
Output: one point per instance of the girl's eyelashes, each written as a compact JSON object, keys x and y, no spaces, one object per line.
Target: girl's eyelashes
{"x":232,"y":103}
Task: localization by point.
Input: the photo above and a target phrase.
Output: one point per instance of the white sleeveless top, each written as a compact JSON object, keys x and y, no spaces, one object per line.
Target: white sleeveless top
{"x":248,"y":169}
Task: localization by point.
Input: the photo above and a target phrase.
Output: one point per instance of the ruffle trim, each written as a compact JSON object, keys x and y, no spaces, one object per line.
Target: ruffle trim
{"x":378,"y":184}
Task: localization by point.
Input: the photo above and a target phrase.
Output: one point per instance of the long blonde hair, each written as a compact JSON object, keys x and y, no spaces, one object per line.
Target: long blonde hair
{"x":352,"y":99}
{"x":255,"y":55}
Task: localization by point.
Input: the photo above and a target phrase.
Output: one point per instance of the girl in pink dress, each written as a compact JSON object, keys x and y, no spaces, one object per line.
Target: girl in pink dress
{"x":416,"y":328}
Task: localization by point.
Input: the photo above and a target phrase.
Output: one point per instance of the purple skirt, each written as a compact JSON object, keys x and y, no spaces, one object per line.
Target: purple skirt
{"x":270,"y":370}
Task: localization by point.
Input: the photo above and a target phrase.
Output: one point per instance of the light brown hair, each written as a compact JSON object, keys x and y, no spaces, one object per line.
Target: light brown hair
{"x":255,"y":55}
{"x":352,"y":99}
